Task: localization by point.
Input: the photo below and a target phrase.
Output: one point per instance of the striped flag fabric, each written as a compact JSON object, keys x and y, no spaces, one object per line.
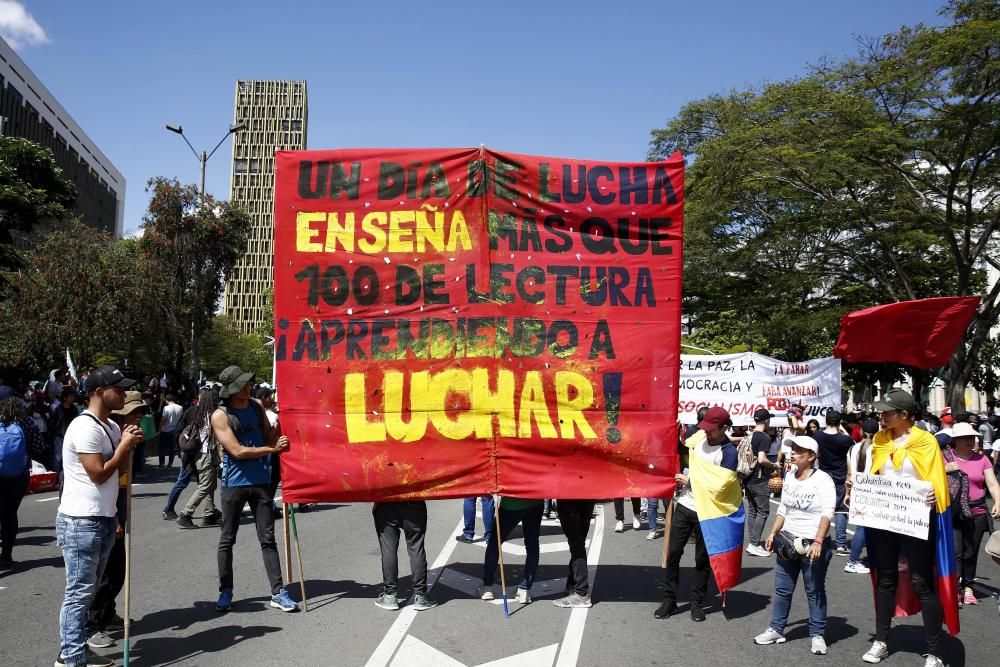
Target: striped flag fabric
{"x":719,"y":501}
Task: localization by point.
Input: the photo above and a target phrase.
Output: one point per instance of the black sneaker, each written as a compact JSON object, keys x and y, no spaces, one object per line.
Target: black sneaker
{"x":697,"y":613}
{"x":213,"y":519}
{"x":184,"y":521}
{"x":666,"y":609}
{"x":464,"y":539}
{"x":169,"y":515}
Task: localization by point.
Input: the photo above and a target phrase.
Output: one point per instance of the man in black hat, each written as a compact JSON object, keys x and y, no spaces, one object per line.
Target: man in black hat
{"x":758,"y":493}
{"x":95,"y":451}
{"x":248,"y":441}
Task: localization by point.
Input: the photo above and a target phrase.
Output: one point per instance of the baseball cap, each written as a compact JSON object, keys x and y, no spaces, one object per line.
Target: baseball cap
{"x":803,"y":441}
{"x":107,"y":376}
{"x":762,"y":415}
{"x":714,"y":418}
{"x":947,"y":419}
{"x":897,"y":399}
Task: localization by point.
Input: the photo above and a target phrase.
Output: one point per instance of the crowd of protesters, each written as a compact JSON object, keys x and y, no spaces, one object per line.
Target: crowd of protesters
{"x":228,"y":437}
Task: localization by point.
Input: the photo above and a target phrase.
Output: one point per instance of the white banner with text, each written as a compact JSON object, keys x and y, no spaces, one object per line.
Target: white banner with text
{"x":743,"y":383}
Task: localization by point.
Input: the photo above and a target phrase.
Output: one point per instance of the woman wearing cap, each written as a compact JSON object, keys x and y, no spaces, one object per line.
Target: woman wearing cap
{"x":903,"y":451}
{"x":799,"y":537}
{"x":969,"y":531}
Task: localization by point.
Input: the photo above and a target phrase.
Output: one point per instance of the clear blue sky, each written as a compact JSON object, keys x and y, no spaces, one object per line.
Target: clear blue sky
{"x":575,"y":78}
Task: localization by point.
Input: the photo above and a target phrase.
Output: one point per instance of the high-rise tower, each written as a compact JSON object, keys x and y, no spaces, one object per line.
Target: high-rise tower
{"x":276,"y":115}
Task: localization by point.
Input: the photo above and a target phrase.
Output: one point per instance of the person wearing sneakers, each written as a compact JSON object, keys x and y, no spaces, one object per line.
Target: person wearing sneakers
{"x":248,"y":441}
{"x":95,"y":452}
{"x":410,"y":518}
{"x":620,"y":514}
{"x":102,"y":617}
{"x":515,"y":511}
{"x":969,"y":531}
{"x":758,"y":494}
{"x":716,"y":448}
{"x":799,"y":538}
{"x":902,"y":451}
{"x":857,"y":461}
{"x":574,"y":519}
{"x":834,"y":444}
{"x":205,"y":462}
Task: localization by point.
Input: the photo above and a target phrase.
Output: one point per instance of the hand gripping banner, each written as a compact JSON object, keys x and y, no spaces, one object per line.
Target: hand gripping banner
{"x":454,"y":322}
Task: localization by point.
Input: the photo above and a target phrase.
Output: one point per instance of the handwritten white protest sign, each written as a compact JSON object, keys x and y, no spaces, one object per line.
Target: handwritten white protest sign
{"x":891,"y":503}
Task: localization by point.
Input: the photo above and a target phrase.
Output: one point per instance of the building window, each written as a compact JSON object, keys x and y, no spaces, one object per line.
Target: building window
{"x":240,"y":166}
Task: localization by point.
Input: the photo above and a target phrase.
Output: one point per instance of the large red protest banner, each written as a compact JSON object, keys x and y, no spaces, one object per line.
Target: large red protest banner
{"x":457,"y":322}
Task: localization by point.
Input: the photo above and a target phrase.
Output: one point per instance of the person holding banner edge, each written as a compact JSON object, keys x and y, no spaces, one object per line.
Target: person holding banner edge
{"x":901,"y":450}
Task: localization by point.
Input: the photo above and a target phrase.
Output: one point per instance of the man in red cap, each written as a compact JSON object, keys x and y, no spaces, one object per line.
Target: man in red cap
{"x":712,"y":444}
{"x":944,"y":435}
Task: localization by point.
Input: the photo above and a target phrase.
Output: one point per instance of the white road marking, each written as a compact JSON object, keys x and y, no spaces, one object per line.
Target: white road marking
{"x":415,"y":653}
{"x":392,"y":639}
{"x":45,"y":500}
{"x":569,"y":651}
{"x":468,"y":585}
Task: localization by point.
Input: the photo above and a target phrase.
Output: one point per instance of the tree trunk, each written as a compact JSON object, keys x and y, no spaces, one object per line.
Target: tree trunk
{"x":195,"y":355}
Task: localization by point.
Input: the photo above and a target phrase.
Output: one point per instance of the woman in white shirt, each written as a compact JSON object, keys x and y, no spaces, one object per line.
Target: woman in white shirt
{"x":799,"y":537}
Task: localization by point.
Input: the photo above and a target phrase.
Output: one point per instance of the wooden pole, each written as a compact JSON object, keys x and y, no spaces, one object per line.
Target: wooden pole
{"x":668,"y":519}
{"x":503,"y":578}
{"x":288,"y":542}
{"x":128,"y":558}
{"x":298,"y":551}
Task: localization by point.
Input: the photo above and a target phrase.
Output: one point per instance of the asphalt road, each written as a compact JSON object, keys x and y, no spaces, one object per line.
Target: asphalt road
{"x":175,"y":586}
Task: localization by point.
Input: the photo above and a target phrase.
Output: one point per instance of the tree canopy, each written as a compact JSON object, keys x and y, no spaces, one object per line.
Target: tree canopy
{"x":867,"y":181}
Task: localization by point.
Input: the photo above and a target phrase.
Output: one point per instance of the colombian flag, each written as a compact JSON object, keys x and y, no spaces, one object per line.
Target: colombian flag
{"x":925,"y":454}
{"x":719,"y":499}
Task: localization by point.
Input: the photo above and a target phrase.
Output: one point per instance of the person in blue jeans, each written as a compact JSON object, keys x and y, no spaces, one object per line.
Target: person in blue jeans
{"x":469,"y":510}
{"x":800,"y":539}
{"x":514,"y":511}
{"x":95,"y":452}
{"x":189,"y":471}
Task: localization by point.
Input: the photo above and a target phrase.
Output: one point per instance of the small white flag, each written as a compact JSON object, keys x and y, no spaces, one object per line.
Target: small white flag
{"x":71,"y":366}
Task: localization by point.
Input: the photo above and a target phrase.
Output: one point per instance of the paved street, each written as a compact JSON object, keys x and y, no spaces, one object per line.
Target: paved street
{"x":175,"y":583}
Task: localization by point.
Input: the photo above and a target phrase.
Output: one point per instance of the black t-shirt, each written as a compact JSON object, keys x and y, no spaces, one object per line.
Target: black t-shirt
{"x":833,"y":449}
{"x":760,"y":442}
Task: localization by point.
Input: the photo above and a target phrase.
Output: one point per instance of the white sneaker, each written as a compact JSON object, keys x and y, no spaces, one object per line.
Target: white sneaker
{"x":651,"y":535}
{"x":818,"y":645}
{"x":757,"y":550}
{"x":933,"y":661}
{"x":855,"y":567}
{"x":769,"y":636}
{"x":877,"y":653}
{"x":523,"y":596}
{"x":619,"y":526}
{"x":485,"y":593}
{"x":636,"y":524}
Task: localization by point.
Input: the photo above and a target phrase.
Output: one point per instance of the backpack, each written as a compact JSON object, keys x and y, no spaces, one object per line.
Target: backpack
{"x":189,"y":441}
{"x":746,"y":461}
{"x":13,"y":450}
{"x":958,"y":489}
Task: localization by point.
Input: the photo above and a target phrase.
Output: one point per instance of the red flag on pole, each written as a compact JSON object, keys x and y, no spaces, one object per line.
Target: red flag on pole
{"x":922,"y":333}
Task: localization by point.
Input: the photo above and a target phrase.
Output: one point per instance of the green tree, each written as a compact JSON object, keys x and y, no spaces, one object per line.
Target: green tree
{"x":224,"y":345}
{"x":868,"y":181}
{"x":32,"y":190}
{"x":77,"y":290}
{"x":192,"y":243}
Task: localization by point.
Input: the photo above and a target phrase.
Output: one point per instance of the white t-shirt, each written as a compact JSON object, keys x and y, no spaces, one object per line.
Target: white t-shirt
{"x":171,"y":417}
{"x":80,"y":496}
{"x":712,"y":454}
{"x":805,"y":502}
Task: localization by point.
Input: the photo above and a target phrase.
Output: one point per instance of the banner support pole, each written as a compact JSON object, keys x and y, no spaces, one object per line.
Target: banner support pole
{"x":503,"y":578}
{"x":128,"y":560}
{"x":288,"y":542}
{"x":668,"y":520}
{"x":298,"y":551}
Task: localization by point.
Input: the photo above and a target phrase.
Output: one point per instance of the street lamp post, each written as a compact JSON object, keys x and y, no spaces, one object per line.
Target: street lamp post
{"x":204,"y":156}
{"x":203,"y":159}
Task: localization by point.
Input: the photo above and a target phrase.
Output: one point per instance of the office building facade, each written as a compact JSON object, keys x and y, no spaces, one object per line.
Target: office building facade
{"x":276,"y":115}
{"x":30,"y":111}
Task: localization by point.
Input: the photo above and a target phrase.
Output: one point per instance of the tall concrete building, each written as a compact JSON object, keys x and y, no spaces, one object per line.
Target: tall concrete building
{"x":276,"y":115}
{"x":30,"y":111}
